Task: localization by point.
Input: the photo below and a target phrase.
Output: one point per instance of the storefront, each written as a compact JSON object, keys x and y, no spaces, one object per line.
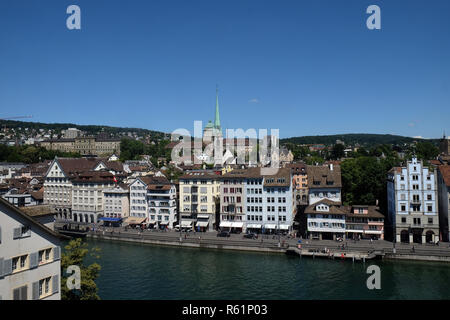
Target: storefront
{"x":111,"y":222}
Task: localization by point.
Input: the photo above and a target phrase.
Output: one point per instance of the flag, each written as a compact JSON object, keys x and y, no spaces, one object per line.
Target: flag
{"x":114,"y":179}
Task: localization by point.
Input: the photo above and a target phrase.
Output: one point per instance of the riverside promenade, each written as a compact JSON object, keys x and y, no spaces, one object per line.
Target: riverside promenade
{"x":349,"y":249}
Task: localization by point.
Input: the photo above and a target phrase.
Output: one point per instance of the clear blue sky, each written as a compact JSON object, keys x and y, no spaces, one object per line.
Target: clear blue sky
{"x":305,"y":67}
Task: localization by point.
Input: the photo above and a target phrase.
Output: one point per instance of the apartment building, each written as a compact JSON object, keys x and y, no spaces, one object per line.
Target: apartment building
{"x":116,"y":203}
{"x":232,"y":200}
{"x":325,"y":220}
{"x":324,"y":182}
{"x":30,"y":253}
{"x":199,"y":199}
{"x":364,"y":222}
{"x":153,"y":202}
{"x":58,"y":180}
{"x":412,"y":203}
{"x":254,"y":202}
{"x":443,"y":182}
{"x":87,"y":195}
{"x":299,"y":182}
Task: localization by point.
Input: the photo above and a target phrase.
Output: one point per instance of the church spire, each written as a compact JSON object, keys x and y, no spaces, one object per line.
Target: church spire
{"x":217,"y":118}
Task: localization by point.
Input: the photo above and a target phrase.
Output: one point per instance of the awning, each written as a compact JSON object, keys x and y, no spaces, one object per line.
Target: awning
{"x":186,"y":224}
{"x":372,"y":231}
{"x":271,"y":226}
{"x":202,"y":224}
{"x":203,"y":216}
{"x":354,"y":231}
{"x":284,"y":227}
{"x":110,"y":219}
{"x":152,"y":222}
{"x":135,"y":220}
{"x":163,"y":223}
{"x":254,"y":226}
{"x":226,"y":224}
{"x":237,"y":224}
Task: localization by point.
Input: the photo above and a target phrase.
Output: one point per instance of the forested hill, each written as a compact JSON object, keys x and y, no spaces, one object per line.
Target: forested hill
{"x":364,"y":139}
{"x":89,"y":129}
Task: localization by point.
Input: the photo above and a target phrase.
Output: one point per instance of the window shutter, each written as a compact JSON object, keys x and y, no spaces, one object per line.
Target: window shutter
{"x":17,"y":232}
{"x":1,"y":267}
{"x":33,"y":260}
{"x":35,"y":290}
{"x":55,"y":283}
{"x":0,"y":234}
{"x":7,"y":267}
{"x":16,"y":294}
{"x":24,"y":293}
{"x":56,"y":253}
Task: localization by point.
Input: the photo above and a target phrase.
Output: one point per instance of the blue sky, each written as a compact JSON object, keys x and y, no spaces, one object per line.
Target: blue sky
{"x":304,"y":67}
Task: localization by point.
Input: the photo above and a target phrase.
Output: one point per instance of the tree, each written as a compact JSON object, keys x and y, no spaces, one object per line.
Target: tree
{"x":338,"y":151}
{"x":76,"y":252}
{"x":426,"y":150}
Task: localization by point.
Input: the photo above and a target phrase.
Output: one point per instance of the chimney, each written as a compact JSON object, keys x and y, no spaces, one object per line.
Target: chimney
{"x":376,"y":202}
{"x":331,"y":166}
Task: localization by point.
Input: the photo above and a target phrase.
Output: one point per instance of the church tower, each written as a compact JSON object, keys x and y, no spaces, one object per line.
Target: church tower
{"x":213,"y":130}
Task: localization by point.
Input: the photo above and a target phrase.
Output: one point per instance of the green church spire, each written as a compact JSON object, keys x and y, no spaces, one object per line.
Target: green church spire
{"x":217,"y":118}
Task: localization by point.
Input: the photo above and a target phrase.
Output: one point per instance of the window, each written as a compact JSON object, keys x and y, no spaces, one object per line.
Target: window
{"x":19,"y":263}
{"x":403,"y":220}
{"x":44,"y":287}
{"x":20,"y":293}
{"x":430,"y":208}
{"x":430,"y":220}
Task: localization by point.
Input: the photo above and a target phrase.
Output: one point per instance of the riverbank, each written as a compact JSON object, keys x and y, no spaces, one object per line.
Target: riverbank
{"x":355,"y":251}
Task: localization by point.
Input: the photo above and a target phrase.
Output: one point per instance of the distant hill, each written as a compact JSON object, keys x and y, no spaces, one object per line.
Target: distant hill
{"x":89,"y":129}
{"x":364,"y":139}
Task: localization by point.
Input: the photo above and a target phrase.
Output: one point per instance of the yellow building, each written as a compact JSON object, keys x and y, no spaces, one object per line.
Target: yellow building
{"x":199,"y":200}
{"x":85,"y":145}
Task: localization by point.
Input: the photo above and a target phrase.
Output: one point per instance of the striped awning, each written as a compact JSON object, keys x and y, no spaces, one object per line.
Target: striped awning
{"x":203,"y":216}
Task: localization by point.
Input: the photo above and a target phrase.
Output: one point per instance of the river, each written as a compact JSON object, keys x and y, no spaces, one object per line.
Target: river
{"x":140,"y":271}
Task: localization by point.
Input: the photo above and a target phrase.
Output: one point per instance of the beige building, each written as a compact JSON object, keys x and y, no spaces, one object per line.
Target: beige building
{"x":84,"y":145}
{"x":87,"y":195}
{"x":199,"y":199}
{"x":116,"y":202}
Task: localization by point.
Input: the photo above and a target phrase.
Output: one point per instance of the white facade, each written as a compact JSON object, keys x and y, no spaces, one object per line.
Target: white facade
{"x":325,"y":222}
{"x":29,"y":258}
{"x":116,"y":202}
{"x":138,"y":199}
{"x":412,"y":203}
{"x":162,"y":207}
{"x":58,"y":190}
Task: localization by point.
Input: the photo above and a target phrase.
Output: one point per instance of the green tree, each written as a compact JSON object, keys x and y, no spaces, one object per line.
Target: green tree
{"x":75,"y":254}
{"x":426,"y":150}
{"x":338,"y":151}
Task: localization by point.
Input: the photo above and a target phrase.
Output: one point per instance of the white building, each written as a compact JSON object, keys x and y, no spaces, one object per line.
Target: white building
{"x":325,"y":220}
{"x":412,"y":203}
{"x":30,"y":254}
{"x":153,"y":202}
{"x":324,"y":182}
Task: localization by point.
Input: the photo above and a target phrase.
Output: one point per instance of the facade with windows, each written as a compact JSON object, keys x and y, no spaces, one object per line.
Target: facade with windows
{"x":199,"y":199}
{"x":412,"y":203}
{"x":299,"y":182}
{"x":364,"y":222}
{"x":116,"y":202}
{"x":87,"y":195}
{"x":30,"y":267}
{"x":325,"y":220}
{"x":153,"y":202}
{"x":252,"y":201}
{"x":324,"y":182}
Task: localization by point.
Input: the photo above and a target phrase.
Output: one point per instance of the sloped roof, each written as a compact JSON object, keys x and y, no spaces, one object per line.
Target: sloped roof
{"x":335,"y":208}
{"x":27,"y":217}
{"x":324,"y":177}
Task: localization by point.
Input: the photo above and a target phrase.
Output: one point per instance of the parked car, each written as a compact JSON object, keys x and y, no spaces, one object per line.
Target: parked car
{"x":251,"y":236}
{"x":223,"y":234}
